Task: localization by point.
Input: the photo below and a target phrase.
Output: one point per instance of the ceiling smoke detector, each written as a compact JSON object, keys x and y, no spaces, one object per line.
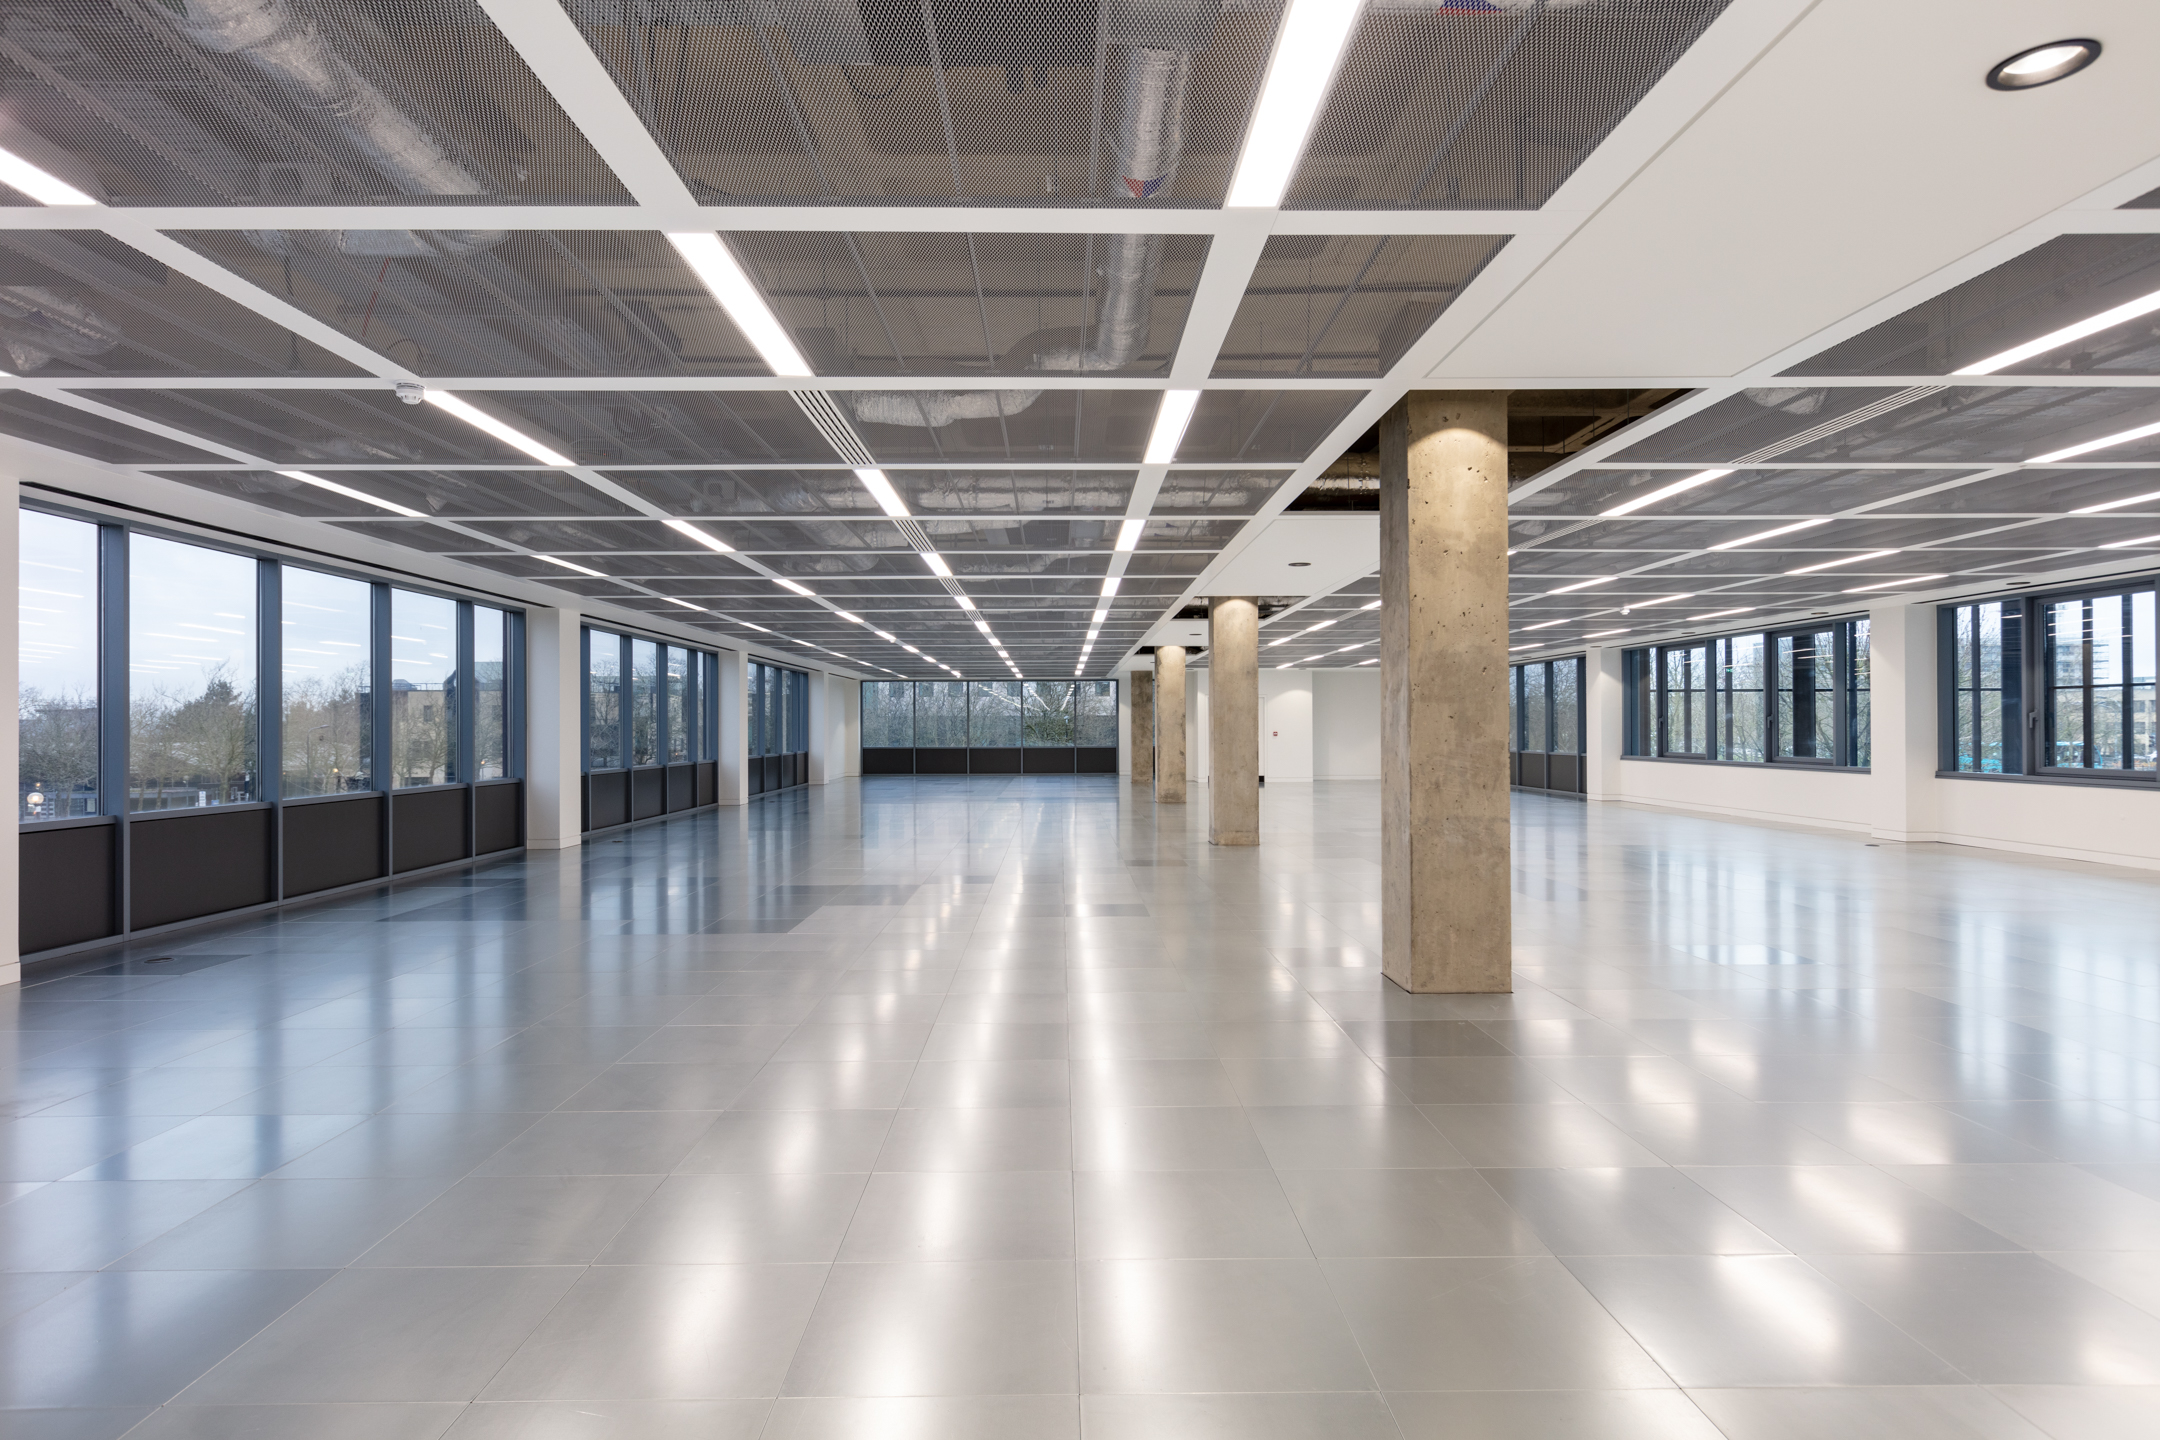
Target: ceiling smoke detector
{"x":411,"y":393}
{"x":2043,"y":64}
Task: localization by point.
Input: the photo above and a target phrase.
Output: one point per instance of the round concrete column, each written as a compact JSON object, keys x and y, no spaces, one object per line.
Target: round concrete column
{"x":1445,"y":871}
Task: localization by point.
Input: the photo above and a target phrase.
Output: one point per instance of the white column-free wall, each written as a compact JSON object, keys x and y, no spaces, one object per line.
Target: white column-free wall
{"x":1604,"y":702}
{"x":11,"y":748}
{"x":1902,"y":736}
{"x":734,"y":767}
{"x":554,"y":729}
{"x":1287,"y":725}
{"x":820,"y":736}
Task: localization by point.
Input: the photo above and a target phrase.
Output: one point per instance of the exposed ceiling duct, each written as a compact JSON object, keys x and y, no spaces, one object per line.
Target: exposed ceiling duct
{"x":288,"y":47}
{"x":39,"y":325}
{"x":1160,"y":40}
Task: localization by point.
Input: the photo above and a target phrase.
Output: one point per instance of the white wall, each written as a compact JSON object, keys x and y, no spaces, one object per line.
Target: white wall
{"x":1901,"y":797}
{"x":1286,"y":725}
{"x":847,"y":724}
{"x":1346,"y":724}
{"x":1196,"y":732}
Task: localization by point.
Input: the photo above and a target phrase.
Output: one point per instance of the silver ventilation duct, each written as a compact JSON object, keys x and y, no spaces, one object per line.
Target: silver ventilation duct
{"x":290,"y":50}
{"x":39,"y":325}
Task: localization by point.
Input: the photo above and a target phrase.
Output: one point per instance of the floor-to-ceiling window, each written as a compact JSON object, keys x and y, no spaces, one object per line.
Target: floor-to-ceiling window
{"x":205,"y":728}
{"x":990,"y":727}
{"x":650,"y":722}
{"x":779,"y":729}
{"x":1545,"y":729}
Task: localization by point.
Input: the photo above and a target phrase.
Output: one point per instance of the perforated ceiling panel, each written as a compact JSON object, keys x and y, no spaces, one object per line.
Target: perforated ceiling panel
{"x":1346,"y":304}
{"x":1021,"y":101}
{"x":271,"y":101}
{"x":1484,"y":105}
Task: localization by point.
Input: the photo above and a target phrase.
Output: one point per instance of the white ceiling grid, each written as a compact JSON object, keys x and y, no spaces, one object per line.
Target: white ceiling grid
{"x":752,"y":476}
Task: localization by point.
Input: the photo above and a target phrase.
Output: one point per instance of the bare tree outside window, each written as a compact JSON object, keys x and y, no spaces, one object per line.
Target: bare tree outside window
{"x":57,"y":679}
{"x":191,"y":676}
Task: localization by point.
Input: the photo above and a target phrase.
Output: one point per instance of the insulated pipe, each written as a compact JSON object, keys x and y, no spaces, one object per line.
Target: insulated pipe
{"x":39,"y":325}
{"x":291,"y":51}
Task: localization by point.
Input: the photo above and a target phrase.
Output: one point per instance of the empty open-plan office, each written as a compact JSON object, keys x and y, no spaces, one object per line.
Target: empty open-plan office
{"x":1081,"y":720}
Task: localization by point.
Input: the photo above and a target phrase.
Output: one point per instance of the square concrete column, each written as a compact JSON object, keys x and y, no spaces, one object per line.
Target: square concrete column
{"x":1169,"y":724}
{"x":1142,"y":689}
{"x":554,"y":730}
{"x":734,"y":728}
{"x":1904,"y":739}
{"x":820,"y":727}
{"x":1233,"y":720}
{"x":1444,"y":911}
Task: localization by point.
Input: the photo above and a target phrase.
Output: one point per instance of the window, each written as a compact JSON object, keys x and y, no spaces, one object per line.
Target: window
{"x":491,"y":713}
{"x":1987,"y":667}
{"x":57,"y":682}
{"x":1534,"y":735}
{"x":678,"y":705}
{"x":191,"y":670}
{"x":328,"y":706}
{"x":941,"y":718}
{"x":1799,"y":697}
{"x":1684,"y":682}
{"x":994,"y":714}
{"x":603,"y":701}
{"x":644,"y":707}
{"x":1095,"y":717}
{"x":1049,"y":712}
{"x":1806,"y":696}
{"x":2097,"y":669}
{"x":423,"y":690}
{"x":1566,"y":688}
{"x":1739,"y":698}
{"x":888,"y":714}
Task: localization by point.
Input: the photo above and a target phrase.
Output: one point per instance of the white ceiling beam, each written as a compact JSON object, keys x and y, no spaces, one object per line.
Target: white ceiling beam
{"x":552,"y":46}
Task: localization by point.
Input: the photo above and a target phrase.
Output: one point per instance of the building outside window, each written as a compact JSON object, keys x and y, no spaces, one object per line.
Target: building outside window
{"x":328,"y":705}
{"x":677,"y":686}
{"x":644,"y":703}
{"x":423,"y":690}
{"x":1987,"y":685}
{"x":1684,"y":727}
{"x":57,"y":699}
{"x":191,"y":676}
{"x":2055,"y":687}
{"x":490,"y":693}
{"x":603,"y":700}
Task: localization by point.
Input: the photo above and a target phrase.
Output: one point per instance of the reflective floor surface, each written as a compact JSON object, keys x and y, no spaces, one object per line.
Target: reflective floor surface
{"x":959,"y":1109}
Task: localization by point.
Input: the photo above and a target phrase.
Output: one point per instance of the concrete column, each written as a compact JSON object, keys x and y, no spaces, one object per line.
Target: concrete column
{"x":1233,"y":720}
{"x":1169,"y":724}
{"x":1444,"y":860}
{"x":734,"y":728}
{"x":820,"y":727}
{"x":11,"y":742}
{"x":1904,"y":738}
{"x":1141,"y":687}
{"x":554,"y":730}
{"x":1604,"y":723}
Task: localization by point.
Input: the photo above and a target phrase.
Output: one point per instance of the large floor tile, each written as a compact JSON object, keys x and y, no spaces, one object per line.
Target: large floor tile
{"x":1551,"y":1415}
{"x":1869,"y":1412}
{"x":738,"y":1218}
{"x":1184,"y":1214}
{"x":967,"y":1327}
{"x":1406,"y":1213}
{"x":1627,"y":1210}
{"x":1172,"y":1326}
{"x":952,"y":1215}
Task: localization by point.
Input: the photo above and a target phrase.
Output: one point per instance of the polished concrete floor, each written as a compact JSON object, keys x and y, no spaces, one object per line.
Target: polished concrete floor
{"x":961,"y":1109}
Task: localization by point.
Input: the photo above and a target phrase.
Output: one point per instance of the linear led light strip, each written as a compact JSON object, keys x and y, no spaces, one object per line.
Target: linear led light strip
{"x":2055,"y":339}
{"x":39,"y":183}
{"x":2103,"y":443}
{"x":1307,"y":47}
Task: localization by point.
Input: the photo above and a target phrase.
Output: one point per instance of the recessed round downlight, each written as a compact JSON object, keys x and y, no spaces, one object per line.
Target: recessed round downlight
{"x":2043,"y":64}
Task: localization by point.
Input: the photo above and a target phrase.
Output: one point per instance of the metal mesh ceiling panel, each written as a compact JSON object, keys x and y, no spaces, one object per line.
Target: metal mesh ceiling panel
{"x":416,"y":536}
{"x":1481,"y":106}
{"x":296,"y":427}
{"x":887,"y":100}
{"x":1744,"y":492}
{"x":926,"y":492}
{"x":78,"y":302}
{"x":1748,"y":422}
{"x":533,"y":302}
{"x":868,"y":304}
{"x":2060,"y":283}
{"x":1036,"y":425}
{"x":605,"y":427}
{"x":453,"y":494}
{"x":1261,"y":425}
{"x":316,"y":101}
{"x":2029,"y":492}
{"x":1216,"y":492}
{"x":1346,"y":304}
{"x":49,"y":422}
